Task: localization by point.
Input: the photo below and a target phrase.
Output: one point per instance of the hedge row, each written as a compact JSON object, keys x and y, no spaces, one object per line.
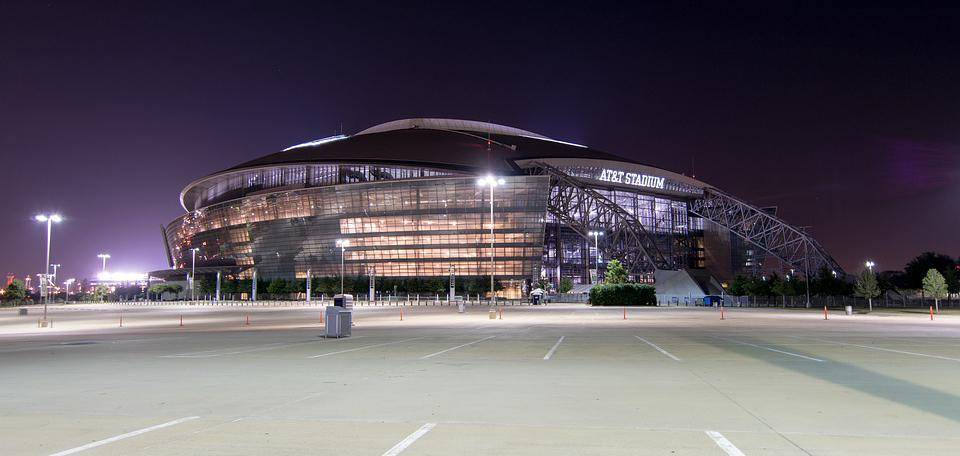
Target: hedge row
{"x":623,"y":294}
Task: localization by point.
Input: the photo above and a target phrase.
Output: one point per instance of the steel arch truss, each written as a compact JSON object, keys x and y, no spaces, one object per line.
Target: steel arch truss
{"x":769,"y":233}
{"x":583,"y":209}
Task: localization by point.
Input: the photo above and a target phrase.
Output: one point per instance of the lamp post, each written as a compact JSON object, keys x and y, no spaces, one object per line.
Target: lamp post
{"x":46,"y":278}
{"x":66,"y":286}
{"x":492,"y":182}
{"x":193,"y":274}
{"x":104,"y":256}
{"x":870,"y":265}
{"x":55,"y":266}
{"x":343,"y":244}
{"x":53,"y":278}
{"x":596,"y":245}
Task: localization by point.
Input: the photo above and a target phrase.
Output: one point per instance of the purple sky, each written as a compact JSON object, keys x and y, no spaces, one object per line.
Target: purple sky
{"x":847,"y":119}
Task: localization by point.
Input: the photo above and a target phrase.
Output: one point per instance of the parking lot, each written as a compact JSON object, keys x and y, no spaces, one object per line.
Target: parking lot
{"x":541,"y":380}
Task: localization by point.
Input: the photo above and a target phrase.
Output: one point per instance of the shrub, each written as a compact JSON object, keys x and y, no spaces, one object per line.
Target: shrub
{"x":623,"y":294}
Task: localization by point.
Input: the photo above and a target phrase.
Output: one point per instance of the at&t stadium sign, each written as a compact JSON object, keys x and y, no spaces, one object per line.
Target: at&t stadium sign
{"x":635,"y":179}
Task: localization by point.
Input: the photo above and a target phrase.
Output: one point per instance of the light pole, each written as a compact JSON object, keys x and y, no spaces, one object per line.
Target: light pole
{"x":53,"y":278}
{"x":193,"y":274}
{"x":66,"y":286}
{"x":596,"y":245}
{"x":492,"y":182}
{"x":104,"y":256}
{"x":343,"y":244}
{"x":46,"y":278}
{"x":870,"y":265}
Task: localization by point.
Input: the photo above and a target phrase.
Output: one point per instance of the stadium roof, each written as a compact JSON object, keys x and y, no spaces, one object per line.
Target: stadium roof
{"x":461,"y":145}
{"x":445,"y":143}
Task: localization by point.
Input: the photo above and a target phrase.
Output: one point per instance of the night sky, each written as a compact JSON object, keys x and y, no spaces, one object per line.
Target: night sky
{"x":847,"y":119}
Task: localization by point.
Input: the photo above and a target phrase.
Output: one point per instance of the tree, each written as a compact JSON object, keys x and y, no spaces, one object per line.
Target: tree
{"x":866,"y":286}
{"x":326,"y":285}
{"x":543,"y":284}
{"x":827,"y":283}
{"x":758,"y":286}
{"x":229,"y":287}
{"x":277,"y":286}
{"x":565,"y":285}
{"x":783,"y":288}
{"x":157,"y":289}
{"x":918,"y":268}
{"x":160,"y":288}
{"x":297,"y":286}
{"x":245,"y":286}
{"x":207,"y":284}
{"x":953,"y":280}
{"x":101,"y":292}
{"x":15,"y":291}
{"x":936,"y":286}
{"x":478,"y":285}
{"x":738,"y":287}
{"x":436,"y":285}
{"x":359,"y":285}
{"x":129,"y":292}
{"x":616,"y":274}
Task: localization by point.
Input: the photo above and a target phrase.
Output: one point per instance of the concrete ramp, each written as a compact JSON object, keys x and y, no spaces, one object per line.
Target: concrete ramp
{"x":685,"y":286}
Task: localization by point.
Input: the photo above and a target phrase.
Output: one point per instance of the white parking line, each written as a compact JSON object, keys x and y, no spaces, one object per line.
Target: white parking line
{"x":454,"y":348}
{"x":365,"y":347}
{"x":881,"y":349}
{"x":409,"y":440}
{"x":555,"y":346}
{"x":773,"y":350}
{"x":658,"y":348}
{"x":123,"y":436}
{"x":236,"y":350}
{"x":225,"y":351}
{"x":725,"y":444}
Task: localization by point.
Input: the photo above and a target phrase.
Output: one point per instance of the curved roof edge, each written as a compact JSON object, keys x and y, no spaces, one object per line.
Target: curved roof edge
{"x":450,"y":124}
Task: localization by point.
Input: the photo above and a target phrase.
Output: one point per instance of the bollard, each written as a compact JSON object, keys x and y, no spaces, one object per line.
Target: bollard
{"x":825,"y":312}
{"x":181,"y":320}
{"x":931,"y":313}
{"x":624,"y":313}
{"x":248,"y":320}
{"x":721,"y":312}
{"x":401,"y":314}
{"x":121,"y":321}
{"x":38,"y":322}
{"x":501,"y":313}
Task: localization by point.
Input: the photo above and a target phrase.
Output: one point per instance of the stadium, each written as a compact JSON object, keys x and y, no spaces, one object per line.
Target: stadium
{"x":427,"y":198}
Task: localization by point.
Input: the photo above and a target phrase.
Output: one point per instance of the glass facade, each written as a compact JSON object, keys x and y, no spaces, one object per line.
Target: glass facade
{"x":567,"y":254}
{"x":418,"y":227}
{"x":267,"y":180}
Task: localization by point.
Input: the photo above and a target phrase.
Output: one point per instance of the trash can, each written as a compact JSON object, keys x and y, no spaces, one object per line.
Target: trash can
{"x":461,"y":308}
{"x":493,"y":314}
{"x":848,"y":309}
{"x":337,"y":322}
{"x":23,"y":311}
{"x":343,"y":300}
{"x":535,"y":299}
